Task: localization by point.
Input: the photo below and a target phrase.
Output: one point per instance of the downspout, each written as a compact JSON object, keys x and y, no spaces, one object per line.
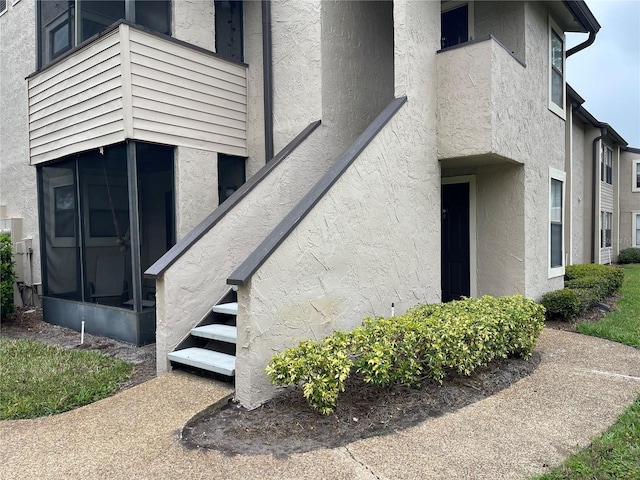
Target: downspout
{"x":583,"y":45}
{"x":594,"y":186}
{"x":267,"y":68}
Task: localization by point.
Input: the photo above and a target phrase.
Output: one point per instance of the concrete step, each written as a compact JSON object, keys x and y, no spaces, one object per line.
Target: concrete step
{"x":226,"y":308}
{"x":222,"y":333}
{"x":206,"y":360}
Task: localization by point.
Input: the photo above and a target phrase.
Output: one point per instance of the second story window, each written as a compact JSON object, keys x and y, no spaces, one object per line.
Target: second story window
{"x":64,"y":24}
{"x":606,"y":166}
{"x":635,"y":176}
{"x":556,"y":69}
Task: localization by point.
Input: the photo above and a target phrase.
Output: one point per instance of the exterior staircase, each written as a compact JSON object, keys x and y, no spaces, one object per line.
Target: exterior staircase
{"x":211,"y":346}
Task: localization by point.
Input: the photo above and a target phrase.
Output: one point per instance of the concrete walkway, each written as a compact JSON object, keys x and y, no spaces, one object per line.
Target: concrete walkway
{"x":580,"y":388}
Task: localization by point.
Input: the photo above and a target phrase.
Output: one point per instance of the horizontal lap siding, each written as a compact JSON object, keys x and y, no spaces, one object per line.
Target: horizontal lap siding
{"x":181,"y":96}
{"x":76,"y":105}
{"x":606,"y":197}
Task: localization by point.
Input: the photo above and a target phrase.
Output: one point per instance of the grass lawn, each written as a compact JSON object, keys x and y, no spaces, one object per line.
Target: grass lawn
{"x":38,"y":379}
{"x":614,"y":455}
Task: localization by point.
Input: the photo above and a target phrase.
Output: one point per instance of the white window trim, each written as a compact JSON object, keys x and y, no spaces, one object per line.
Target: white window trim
{"x":635,"y":164}
{"x":634,"y":215}
{"x":603,"y":160}
{"x":473,"y":229}
{"x":562,"y":177}
{"x":453,"y":4}
{"x":559,"y":110}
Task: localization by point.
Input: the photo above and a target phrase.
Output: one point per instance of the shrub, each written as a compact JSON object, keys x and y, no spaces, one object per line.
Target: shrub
{"x":600,"y":287}
{"x":427,"y":341}
{"x":610,"y":276}
{"x":562,"y":304}
{"x":629,"y":255}
{"x":7,"y":276}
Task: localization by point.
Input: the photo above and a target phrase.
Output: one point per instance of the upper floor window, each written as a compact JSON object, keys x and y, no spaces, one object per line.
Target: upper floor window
{"x":64,"y":24}
{"x":635,"y":176}
{"x":229,"y":29}
{"x":556,"y":69}
{"x":606,"y":166}
{"x":456,"y":23}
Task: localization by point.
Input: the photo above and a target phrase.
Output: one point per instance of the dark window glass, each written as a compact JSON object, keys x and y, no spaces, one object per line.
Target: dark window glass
{"x":556,"y":223}
{"x":557,"y":69}
{"x":231,"y":175}
{"x":637,"y":175}
{"x":155,"y":15}
{"x":55,"y":24}
{"x":229,"y":30}
{"x":96,"y":15}
{"x":455,"y":26}
{"x":64,"y":211}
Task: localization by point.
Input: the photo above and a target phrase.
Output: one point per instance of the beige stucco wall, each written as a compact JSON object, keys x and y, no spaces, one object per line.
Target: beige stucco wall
{"x":629,"y":200}
{"x":297,"y":75}
{"x":545,"y":145}
{"x":580,"y":180}
{"x":194,"y":22}
{"x":373,"y":239}
{"x":17,"y":177}
{"x":357,"y":65}
{"x":503,"y":20}
{"x":196,"y":187}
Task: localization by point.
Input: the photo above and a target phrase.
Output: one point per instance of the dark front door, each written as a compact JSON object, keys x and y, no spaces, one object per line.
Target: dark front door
{"x":455,"y":241}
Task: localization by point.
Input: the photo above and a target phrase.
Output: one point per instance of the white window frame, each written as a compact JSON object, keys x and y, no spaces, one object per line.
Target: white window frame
{"x":604,"y":216}
{"x":559,"y":110}
{"x":453,"y":4}
{"x":562,"y":177}
{"x":607,"y":154}
{"x":6,"y":7}
{"x":635,"y":166}
{"x":634,"y":236}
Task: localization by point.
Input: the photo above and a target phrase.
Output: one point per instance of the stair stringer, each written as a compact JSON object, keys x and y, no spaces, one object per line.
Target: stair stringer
{"x":185,"y":288}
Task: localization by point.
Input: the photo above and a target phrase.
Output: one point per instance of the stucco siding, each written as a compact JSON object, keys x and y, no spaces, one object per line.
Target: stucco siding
{"x":17,"y":177}
{"x":193,"y":21}
{"x":579,"y":180}
{"x":363,"y":247}
{"x":545,"y":141}
{"x":504,"y":20}
{"x":297,"y":73}
{"x":357,"y":65}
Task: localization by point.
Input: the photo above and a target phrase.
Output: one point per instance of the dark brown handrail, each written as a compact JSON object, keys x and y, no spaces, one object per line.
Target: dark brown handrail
{"x":208,"y":223}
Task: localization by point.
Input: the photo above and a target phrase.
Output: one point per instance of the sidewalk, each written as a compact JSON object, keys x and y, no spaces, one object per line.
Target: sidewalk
{"x":581,"y":386}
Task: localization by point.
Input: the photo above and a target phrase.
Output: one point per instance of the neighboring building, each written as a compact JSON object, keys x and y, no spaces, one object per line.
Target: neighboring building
{"x":423,"y":151}
{"x":629,"y":198}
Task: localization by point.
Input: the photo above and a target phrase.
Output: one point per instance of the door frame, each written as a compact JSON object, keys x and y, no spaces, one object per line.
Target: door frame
{"x":473,"y":246}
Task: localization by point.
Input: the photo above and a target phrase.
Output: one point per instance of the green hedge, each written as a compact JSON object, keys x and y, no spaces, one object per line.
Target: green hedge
{"x":7,"y":276}
{"x":585,"y":285}
{"x":427,"y":341}
{"x":629,"y":255}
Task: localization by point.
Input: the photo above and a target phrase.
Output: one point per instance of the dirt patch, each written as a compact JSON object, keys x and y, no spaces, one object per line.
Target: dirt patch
{"x":286,"y":424}
{"x":28,"y":323}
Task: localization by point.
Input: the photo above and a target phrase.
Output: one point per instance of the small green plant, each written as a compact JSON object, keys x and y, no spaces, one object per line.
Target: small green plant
{"x":629,"y":255}
{"x":428,"y":341}
{"x":7,"y":276}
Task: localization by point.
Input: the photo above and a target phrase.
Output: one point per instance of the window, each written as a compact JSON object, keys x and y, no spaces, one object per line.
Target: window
{"x":556,"y":69}
{"x":456,"y":23}
{"x":606,"y":166}
{"x":606,"y":219}
{"x":64,"y":25}
{"x":635,"y":176}
{"x":3,"y":6}
{"x":635,"y":229}
{"x":556,"y":226}
{"x":65,"y":207}
{"x":229,"y":30}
